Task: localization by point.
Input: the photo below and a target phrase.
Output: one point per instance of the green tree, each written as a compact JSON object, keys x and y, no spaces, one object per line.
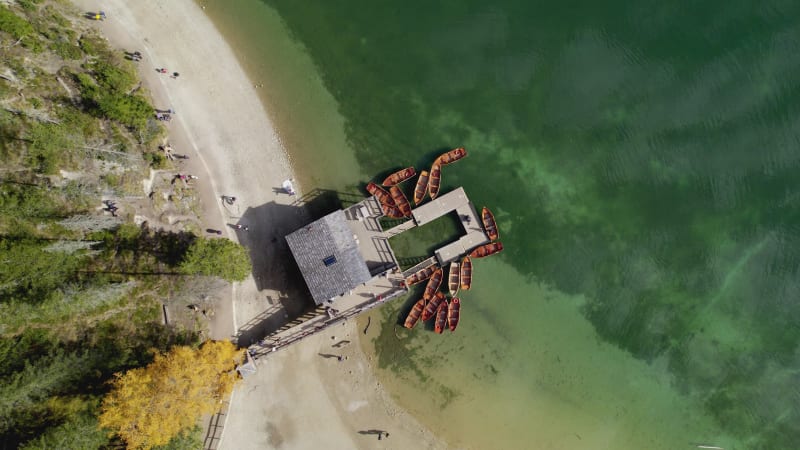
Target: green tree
{"x":28,"y":271}
{"x":150,"y":406}
{"x":217,"y":257}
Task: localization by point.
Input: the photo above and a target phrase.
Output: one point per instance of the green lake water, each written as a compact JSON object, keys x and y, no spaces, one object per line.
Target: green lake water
{"x":642,"y":161}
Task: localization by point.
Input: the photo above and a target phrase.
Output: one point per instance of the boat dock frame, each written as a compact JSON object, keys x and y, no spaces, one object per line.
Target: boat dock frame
{"x":388,"y":282}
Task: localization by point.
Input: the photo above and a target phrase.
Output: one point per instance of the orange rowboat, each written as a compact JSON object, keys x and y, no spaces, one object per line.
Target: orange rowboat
{"x":422,"y":187}
{"x":433,"y":306}
{"x":433,"y":284}
{"x":452,"y":313}
{"x":400,"y":200}
{"x":435,"y":180}
{"x":441,"y":317}
{"x":466,"y":273}
{"x":454,"y":279}
{"x":399,"y":176}
{"x":413,"y":315}
{"x":380,"y":193}
{"x":487,"y":249}
{"x":489,"y":224}
{"x":421,"y":275}
{"x":452,"y":156}
{"x":392,"y":211}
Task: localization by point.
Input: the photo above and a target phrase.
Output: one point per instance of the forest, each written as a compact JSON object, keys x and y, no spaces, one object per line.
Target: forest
{"x":84,"y":286}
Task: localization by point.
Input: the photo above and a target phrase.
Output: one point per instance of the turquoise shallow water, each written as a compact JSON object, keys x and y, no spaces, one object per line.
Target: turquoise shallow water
{"x":641,"y":159}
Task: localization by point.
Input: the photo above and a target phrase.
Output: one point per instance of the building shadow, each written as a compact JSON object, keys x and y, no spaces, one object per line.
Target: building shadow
{"x":262,"y":230}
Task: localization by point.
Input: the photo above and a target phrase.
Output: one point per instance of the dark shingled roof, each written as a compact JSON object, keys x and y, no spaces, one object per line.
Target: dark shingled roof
{"x":314,"y":243}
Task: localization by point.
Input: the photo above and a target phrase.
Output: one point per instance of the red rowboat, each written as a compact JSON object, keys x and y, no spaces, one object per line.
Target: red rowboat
{"x":433,"y":284}
{"x":452,"y":156}
{"x":400,"y":200}
{"x":466,"y":273}
{"x":422,"y":187}
{"x":453,"y":313}
{"x":392,"y":211}
{"x":489,"y":224}
{"x":441,"y":317}
{"x":487,"y":249}
{"x":399,"y":176}
{"x":454,"y":279}
{"x":380,"y":193}
{"x":433,"y":306}
{"x":421,"y":275}
{"x":435,"y":180}
{"x":413,"y":316}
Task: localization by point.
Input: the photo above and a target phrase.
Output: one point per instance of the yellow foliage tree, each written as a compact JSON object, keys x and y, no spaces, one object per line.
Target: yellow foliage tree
{"x":149,"y":406}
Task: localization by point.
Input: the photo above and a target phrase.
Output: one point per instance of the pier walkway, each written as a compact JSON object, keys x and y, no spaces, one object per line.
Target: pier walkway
{"x":455,"y":200}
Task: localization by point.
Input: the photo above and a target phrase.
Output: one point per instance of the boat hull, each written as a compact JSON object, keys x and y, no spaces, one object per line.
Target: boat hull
{"x":433,"y":284}
{"x":414,"y":314}
{"x":441,"y":318}
{"x":422,"y":187}
{"x":486,"y":250}
{"x":400,"y":200}
{"x":420,"y":275}
{"x":453,"y":313}
{"x":435,"y":181}
{"x":454,"y":278}
{"x":452,"y":156}
{"x":380,"y":193}
{"x":433,"y":306}
{"x":465,"y":273}
{"x":399,"y":176}
{"x":489,"y":224}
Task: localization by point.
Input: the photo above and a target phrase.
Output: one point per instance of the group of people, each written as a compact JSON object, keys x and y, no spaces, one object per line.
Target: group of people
{"x":136,"y":56}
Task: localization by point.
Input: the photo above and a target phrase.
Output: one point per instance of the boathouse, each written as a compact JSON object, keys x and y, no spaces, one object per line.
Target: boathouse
{"x":341,"y":251}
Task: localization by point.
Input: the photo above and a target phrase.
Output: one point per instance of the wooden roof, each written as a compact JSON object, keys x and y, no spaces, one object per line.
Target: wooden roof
{"x":329,"y":257}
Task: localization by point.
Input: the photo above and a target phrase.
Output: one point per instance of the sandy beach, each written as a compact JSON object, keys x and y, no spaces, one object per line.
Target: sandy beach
{"x":304,"y":396}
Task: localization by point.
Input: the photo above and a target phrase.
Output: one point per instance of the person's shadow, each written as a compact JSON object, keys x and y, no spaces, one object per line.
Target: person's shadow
{"x":327,"y":355}
{"x":373,"y":431}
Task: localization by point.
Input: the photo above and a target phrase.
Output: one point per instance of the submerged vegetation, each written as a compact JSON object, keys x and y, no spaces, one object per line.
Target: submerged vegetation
{"x":82,"y":289}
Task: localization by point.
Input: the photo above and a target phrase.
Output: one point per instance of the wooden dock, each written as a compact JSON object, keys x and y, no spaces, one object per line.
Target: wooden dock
{"x":388,"y":282}
{"x":455,"y":200}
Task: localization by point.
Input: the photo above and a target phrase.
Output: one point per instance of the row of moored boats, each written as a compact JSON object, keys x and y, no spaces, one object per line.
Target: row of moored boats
{"x":434,"y":303}
{"x":394,"y":202}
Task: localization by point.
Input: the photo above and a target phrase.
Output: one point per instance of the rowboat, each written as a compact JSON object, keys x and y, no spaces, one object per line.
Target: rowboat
{"x":422,"y":187}
{"x":420,"y":275}
{"x":413,"y":315}
{"x":392,"y":211}
{"x":399,"y":176}
{"x":435,"y":180}
{"x":453,"y":313}
{"x":454,"y":279}
{"x":452,"y":156}
{"x":487,"y":249}
{"x":466,"y":273}
{"x":400,"y":200}
{"x":433,"y":284}
{"x":433,"y":306}
{"x":489,"y":224}
{"x":380,"y":193}
{"x":441,"y":317}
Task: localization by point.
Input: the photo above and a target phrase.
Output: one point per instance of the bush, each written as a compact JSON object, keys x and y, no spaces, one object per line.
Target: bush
{"x":14,"y":24}
{"x":217,"y":257}
{"x":66,"y":50}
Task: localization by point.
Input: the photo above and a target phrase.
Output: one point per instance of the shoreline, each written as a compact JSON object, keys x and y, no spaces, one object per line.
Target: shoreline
{"x":223,"y":123}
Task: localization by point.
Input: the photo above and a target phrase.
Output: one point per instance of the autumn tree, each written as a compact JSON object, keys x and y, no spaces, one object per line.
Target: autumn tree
{"x":149,"y":406}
